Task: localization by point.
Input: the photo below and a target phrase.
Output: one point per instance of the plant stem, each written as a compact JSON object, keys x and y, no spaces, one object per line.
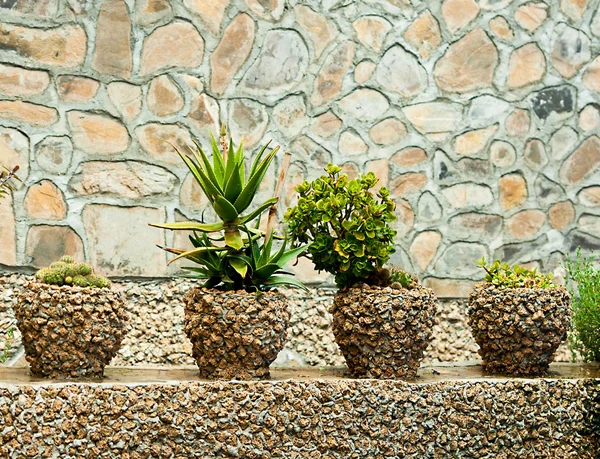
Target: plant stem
{"x":287,"y":158}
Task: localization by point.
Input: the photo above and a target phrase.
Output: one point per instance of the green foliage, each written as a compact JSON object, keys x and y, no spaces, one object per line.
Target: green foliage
{"x":7,"y":176}
{"x":585,"y":333}
{"x":505,"y":276}
{"x":346,"y":225}
{"x":67,"y":272}
{"x":232,"y":254}
{"x":384,"y":277}
{"x":10,"y":335}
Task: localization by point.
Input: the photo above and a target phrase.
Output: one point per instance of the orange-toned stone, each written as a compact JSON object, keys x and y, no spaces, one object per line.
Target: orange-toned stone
{"x":589,"y":118}
{"x":388,"y":132}
{"x":177,"y":44}
{"x":591,"y":77}
{"x":518,"y":122}
{"x":63,"y":46}
{"x":459,"y":13}
{"x":405,"y":217}
{"x":513,"y":190}
{"x":410,"y":156}
{"x":424,"y":34}
{"x":531,"y":15}
{"x":210,"y":12}
{"x":583,"y":162}
{"x":46,"y":243}
{"x":409,"y":183}
{"x":164,"y":97}
{"x":363,"y":71}
{"x":25,"y":112}
{"x":590,"y":197}
{"x":96,"y":133}
{"x":319,"y":29}
{"x":232,"y":51}
{"x":45,"y":200}
{"x":352,"y":144}
{"x":351,"y":170}
{"x":468,"y":195}
{"x":14,"y":151}
{"x":527,"y":65}
{"x":328,"y":83}
{"x":424,"y":247}
{"x":326,"y":125}
{"x":501,"y":28}
{"x":150,"y":12}
{"x":526,"y":224}
{"x":127,"y":98}
{"x":112,"y":52}
{"x":371,"y":31}
{"x":561,"y":215}
{"x":472,"y":142}
{"x":502,"y":154}
{"x":159,"y":139}
{"x":16,"y":81}
{"x":381,"y":169}
{"x":76,"y":89}
{"x":8,"y":230}
{"x":468,"y":64}
{"x":574,"y":9}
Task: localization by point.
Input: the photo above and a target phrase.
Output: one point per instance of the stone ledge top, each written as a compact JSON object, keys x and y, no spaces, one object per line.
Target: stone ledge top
{"x":430,"y":374}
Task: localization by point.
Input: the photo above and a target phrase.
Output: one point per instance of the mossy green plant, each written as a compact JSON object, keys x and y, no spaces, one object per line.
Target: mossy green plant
{"x":68,"y":272}
{"x":503,"y":275}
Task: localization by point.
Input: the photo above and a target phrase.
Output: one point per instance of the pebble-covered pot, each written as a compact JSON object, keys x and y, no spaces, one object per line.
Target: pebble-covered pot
{"x":518,"y":330}
{"x":235,"y":335}
{"x":68,"y":331}
{"x":383,"y":331}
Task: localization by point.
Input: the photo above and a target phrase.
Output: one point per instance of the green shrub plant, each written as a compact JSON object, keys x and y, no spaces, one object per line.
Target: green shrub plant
{"x":67,"y":272}
{"x":503,"y":275}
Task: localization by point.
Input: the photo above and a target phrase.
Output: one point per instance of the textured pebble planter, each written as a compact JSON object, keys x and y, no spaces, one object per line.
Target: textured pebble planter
{"x":70,"y":331}
{"x":518,"y":330}
{"x":235,"y":335}
{"x":383,"y":332}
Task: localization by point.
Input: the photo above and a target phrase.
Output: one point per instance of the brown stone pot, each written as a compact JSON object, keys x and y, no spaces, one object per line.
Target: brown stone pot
{"x":235,"y":335}
{"x":68,"y":331}
{"x":518,"y":330}
{"x":383,"y":331}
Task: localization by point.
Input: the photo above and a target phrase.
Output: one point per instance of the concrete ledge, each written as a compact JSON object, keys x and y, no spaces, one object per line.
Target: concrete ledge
{"x":158,"y":412}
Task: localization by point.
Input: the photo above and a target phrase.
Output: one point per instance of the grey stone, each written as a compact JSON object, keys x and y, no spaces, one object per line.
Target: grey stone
{"x":576,"y":239}
{"x":559,"y":100}
{"x":474,"y":226}
{"x":429,"y":208}
{"x":365,"y":104}
{"x":399,"y":71}
{"x":458,"y":260}
{"x":570,"y":50}
{"x":248,"y":121}
{"x":486,"y":110}
{"x":444,"y":168}
{"x":520,"y":252}
{"x":563,"y":142}
{"x":546,"y":191}
{"x":589,"y":224}
{"x":53,"y":154}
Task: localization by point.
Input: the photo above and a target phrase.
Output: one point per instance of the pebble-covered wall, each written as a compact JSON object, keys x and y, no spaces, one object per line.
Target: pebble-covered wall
{"x":482,"y":117}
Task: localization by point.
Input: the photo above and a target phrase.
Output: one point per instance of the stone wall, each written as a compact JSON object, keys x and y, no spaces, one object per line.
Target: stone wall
{"x":482,"y":118}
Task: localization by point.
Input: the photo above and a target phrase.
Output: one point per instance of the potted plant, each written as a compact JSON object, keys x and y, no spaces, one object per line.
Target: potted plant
{"x":382,"y":318}
{"x":518,"y":317}
{"x":236,"y":320}
{"x":71,"y":321}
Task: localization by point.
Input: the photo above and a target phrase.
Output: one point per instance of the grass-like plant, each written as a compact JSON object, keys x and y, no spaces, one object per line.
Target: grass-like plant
{"x":583,"y":280}
{"x":7,"y":176}
{"x":67,"y":272}
{"x":346,"y":224}
{"x":503,"y":275}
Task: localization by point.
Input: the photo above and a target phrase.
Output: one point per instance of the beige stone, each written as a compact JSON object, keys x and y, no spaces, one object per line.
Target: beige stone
{"x":150,"y":12}
{"x":574,"y":9}
{"x":72,"y":88}
{"x":501,"y":28}
{"x":388,"y":132}
{"x":561,"y":215}
{"x":352,"y":144}
{"x":399,"y":71}
{"x":351,"y":170}
{"x":14,"y":150}
{"x":468,"y":64}
{"x":177,"y":44}
{"x":459,"y":13}
{"x":518,"y":122}
{"x":17,"y":81}
{"x":328,"y":83}
{"x":112,"y":51}
{"x":319,"y":29}
{"x":409,"y":156}
{"x":8,"y":230}
{"x":409,"y":183}
{"x":164,"y":97}
{"x":304,"y":269}
{"x":210,"y":12}
{"x":97,"y":133}
{"x":531,"y":15}
{"x":474,"y":226}
{"x":126,"y":179}
{"x":590,"y":197}
{"x":25,"y":112}
{"x":434,"y":117}
{"x":363,"y":71}
{"x":381,"y":169}
{"x":570,"y":50}
{"x":204,"y":115}
{"x":535,"y":154}
{"x":126,"y":253}
{"x":232,"y":51}
{"x":53,"y":154}
{"x":424,"y":247}
{"x":127,"y":98}
{"x":371,"y":31}
{"x":191,"y":196}
{"x":271,"y":10}
{"x":46,"y":244}
{"x":38,"y":9}
{"x":405,"y":217}
{"x":583,"y":162}
{"x":326,"y":125}
{"x":424,"y":34}
{"x":468,"y":195}
{"x":45,"y":200}
{"x":449,"y":288}
{"x":591,"y":77}
{"x":502,"y":154}
{"x":512,"y":190}
{"x":290,"y":116}
{"x":248,"y":121}
{"x":589,"y":118}
{"x":527,"y":65}
{"x":160,"y":141}
{"x":63,"y":46}
{"x":589,"y":224}
{"x":525,"y":224}
{"x":472,"y":142}
{"x":364,"y":104}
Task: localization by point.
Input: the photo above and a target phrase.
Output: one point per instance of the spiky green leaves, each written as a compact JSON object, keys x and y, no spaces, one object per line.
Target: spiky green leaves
{"x":67,"y":272}
{"x":346,"y":225}
{"x":506,"y":276}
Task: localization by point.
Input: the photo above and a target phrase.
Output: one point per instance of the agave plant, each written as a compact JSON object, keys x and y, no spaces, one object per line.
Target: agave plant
{"x":6,"y":177}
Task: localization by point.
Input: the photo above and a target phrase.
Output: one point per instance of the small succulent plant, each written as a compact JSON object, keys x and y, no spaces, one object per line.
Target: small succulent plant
{"x":504,"y":275}
{"x":6,"y":177}
{"x":394,"y":277}
{"x":346,"y":225}
{"x":67,"y":272}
